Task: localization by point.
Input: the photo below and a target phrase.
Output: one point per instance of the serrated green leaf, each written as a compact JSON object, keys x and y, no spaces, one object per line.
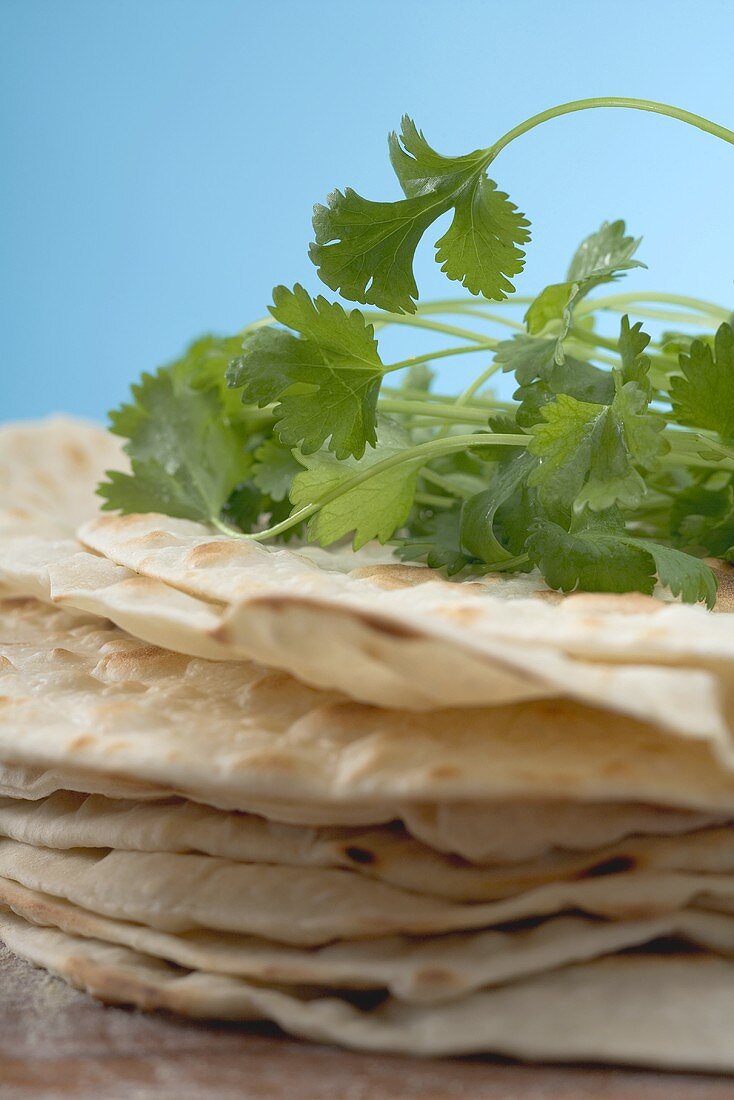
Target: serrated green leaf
{"x":602,"y":258}
{"x":704,"y":396}
{"x":598,"y":555}
{"x":435,"y":540}
{"x":274,"y":469}
{"x":635,"y":364}
{"x":591,"y":557}
{"x":373,"y":510}
{"x":324,"y":382}
{"x":702,"y":518}
{"x":592,"y":452}
{"x":365,"y":249}
{"x":685,"y":576}
{"x":541,"y":378}
{"x":583,"y":457}
{"x":187,"y":455}
{"x":478,"y":533}
{"x":606,"y":250}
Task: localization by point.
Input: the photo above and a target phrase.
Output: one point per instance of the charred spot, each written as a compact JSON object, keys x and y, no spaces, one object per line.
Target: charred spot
{"x":617,"y":865}
{"x":456,"y":860}
{"x":359,"y":855}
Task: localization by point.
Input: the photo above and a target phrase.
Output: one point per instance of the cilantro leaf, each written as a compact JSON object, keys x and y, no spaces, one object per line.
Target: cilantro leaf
{"x":704,"y":396}
{"x":478,"y":532}
{"x":325,"y":382}
{"x":635,"y":364}
{"x":702,"y":518}
{"x":591,"y":555}
{"x":365,"y":249}
{"x":685,"y":576}
{"x":187,"y":454}
{"x":541,"y":378}
{"x":374,"y":509}
{"x":601,"y":258}
{"x":597,"y":555}
{"x":274,"y":469}
{"x":435,"y":540}
{"x":591,"y":453}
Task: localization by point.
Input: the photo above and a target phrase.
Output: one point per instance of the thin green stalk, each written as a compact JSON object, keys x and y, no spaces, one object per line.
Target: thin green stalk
{"x":444,"y":398}
{"x":429,"y":356}
{"x":632,"y":296}
{"x":592,"y":339}
{"x":445,"y":483}
{"x":413,"y":321}
{"x":435,"y":411}
{"x":466,"y":395}
{"x":433,"y":501}
{"x":648,"y":105}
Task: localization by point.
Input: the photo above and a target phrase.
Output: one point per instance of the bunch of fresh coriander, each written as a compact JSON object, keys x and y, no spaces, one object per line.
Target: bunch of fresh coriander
{"x":612,"y":468}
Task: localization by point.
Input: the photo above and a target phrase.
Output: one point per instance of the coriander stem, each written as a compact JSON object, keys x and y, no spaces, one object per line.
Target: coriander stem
{"x":417,"y":455}
{"x":648,"y":105}
{"x":429,"y":356}
{"x":433,"y":501}
{"x":466,"y":395}
{"x":632,"y":296}
{"x":592,"y":339}
{"x":435,"y":410}
{"x":436,"y":326}
{"x":445,"y":483}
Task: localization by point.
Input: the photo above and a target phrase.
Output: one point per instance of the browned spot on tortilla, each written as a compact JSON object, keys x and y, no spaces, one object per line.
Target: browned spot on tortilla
{"x":359,"y":855}
{"x":5,"y":662}
{"x":461,"y":614}
{"x":83,"y":741}
{"x":76,"y":455}
{"x":443,"y":771}
{"x":435,"y":978}
{"x":394,"y":576}
{"x":548,"y":595}
{"x":217,"y":552}
{"x":724,"y":574}
{"x":620,"y":603}
{"x":124,"y":522}
{"x":60,"y":654}
{"x":266,"y":761}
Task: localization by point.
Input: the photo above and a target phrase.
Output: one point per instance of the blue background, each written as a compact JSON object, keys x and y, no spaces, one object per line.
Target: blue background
{"x":160,"y":157}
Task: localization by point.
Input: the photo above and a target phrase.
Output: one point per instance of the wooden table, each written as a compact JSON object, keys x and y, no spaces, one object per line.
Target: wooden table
{"x":56,"y":1042}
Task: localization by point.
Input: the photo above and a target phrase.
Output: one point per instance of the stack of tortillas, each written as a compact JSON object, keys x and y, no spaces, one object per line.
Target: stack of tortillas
{"x":375,"y":807}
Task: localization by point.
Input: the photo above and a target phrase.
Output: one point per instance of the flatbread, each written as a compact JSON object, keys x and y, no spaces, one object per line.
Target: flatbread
{"x":57,"y":571}
{"x":423,"y":971}
{"x":495,"y":832}
{"x":310,"y":906}
{"x":49,"y":470}
{"x":398,"y":635}
{"x":67,"y":820}
{"x":673,"y":1013}
{"x":388,"y":634}
{"x":79,"y":694}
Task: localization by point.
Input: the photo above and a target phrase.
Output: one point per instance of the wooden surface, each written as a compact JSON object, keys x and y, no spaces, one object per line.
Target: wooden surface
{"x":55,"y":1042}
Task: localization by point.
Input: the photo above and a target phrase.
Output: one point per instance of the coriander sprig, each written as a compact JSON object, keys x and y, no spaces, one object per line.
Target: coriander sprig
{"x":612,"y":467}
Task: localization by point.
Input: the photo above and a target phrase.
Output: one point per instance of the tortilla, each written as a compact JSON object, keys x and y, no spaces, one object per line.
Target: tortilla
{"x":388,"y":634}
{"x":66,"y":820}
{"x":49,"y":470}
{"x":496,"y":832}
{"x":82,"y":695}
{"x":57,"y":571}
{"x":309,"y":906}
{"x":673,"y":1013}
{"x":399,"y":635}
{"x":424,"y":971}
